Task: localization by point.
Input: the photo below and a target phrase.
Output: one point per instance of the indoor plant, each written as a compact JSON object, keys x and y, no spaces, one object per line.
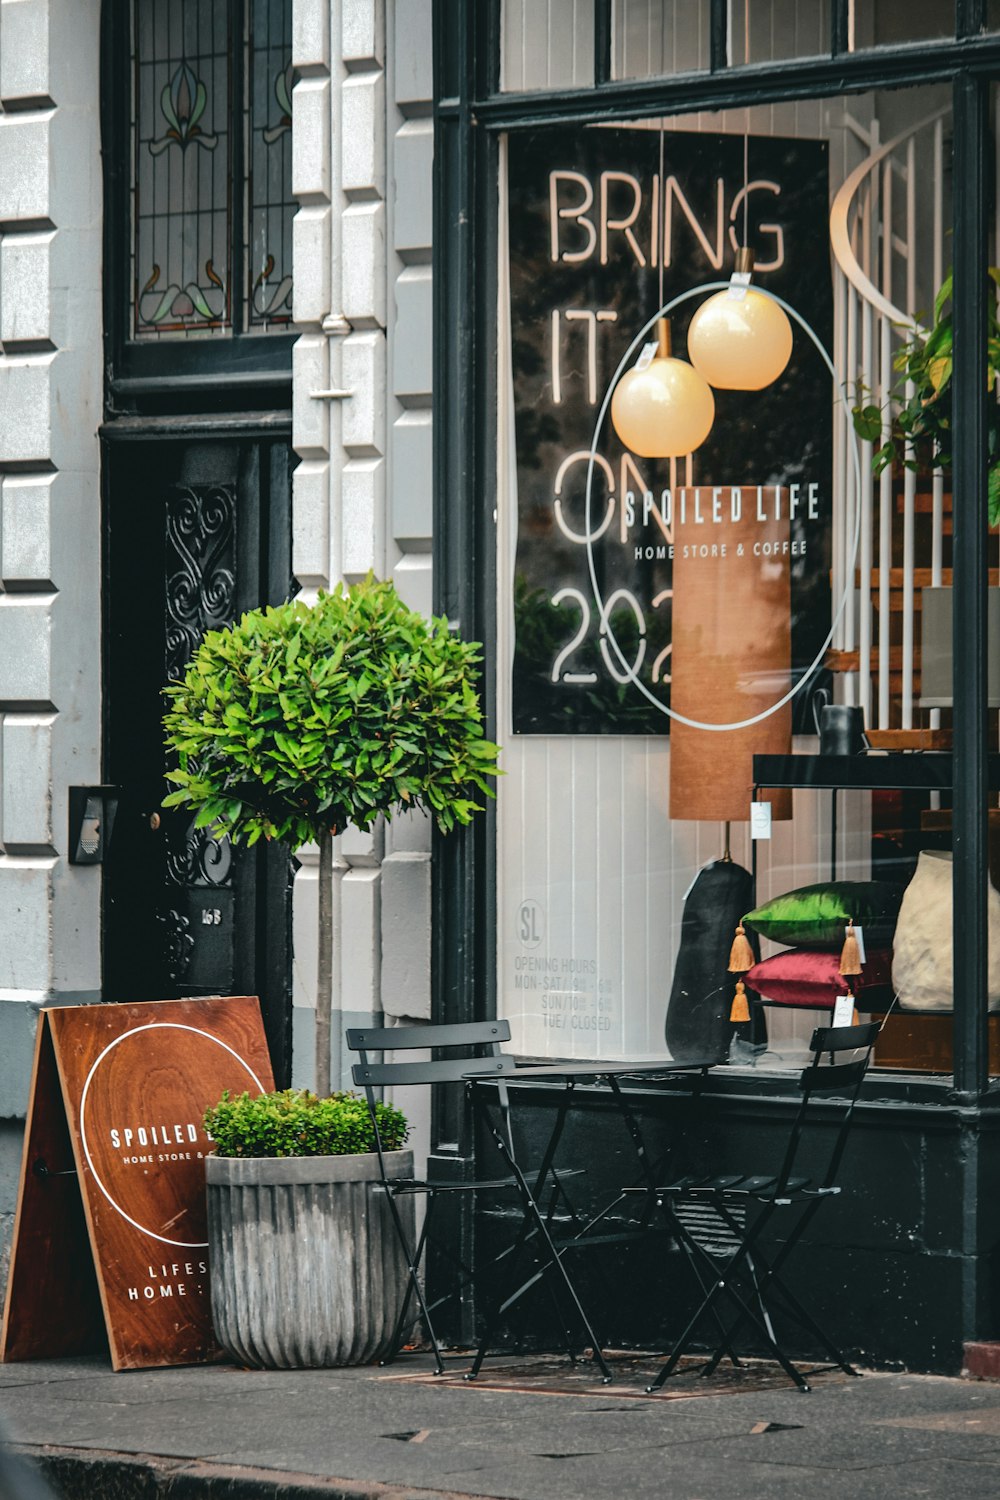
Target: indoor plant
{"x":299,"y":719}
{"x":306,"y":1268}
{"x":920,"y":435}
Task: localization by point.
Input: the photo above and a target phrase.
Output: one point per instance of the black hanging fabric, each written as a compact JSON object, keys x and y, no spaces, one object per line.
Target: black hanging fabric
{"x":697,"y":1023}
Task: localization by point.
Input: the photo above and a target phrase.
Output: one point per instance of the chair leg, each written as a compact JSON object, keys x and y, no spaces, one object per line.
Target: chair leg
{"x":707,"y":1304}
{"x":680,"y":1346}
{"x":497,"y":1306}
{"x":537,"y":1277}
{"x":692,"y":1250}
{"x":765,"y":1317}
{"x":748,"y":1315}
{"x":396,"y":1342}
{"x":412,"y":1265}
{"x":744,"y":1252}
{"x":727,"y":1275}
{"x":553,"y":1261}
{"x":413,"y":1271}
{"x":771,"y":1283}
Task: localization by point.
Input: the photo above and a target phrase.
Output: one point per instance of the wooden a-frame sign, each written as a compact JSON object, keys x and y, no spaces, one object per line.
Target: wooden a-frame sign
{"x":110,"y":1232}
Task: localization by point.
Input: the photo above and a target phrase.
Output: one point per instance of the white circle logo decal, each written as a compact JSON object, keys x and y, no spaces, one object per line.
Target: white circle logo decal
{"x":142,"y":1032}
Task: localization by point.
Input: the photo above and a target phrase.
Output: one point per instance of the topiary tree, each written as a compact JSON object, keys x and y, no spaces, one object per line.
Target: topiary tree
{"x":299,"y":719}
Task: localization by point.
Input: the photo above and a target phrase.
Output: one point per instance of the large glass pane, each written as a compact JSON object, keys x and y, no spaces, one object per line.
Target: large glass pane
{"x":886,"y":23}
{"x":766,"y":30}
{"x":653,"y":37}
{"x":181,"y":189}
{"x":272,"y":207}
{"x":772,"y":30}
{"x":746,"y":584}
{"x":547,"y":44}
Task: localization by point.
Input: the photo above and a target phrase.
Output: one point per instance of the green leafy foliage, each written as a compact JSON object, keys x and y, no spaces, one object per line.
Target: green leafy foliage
{"x":301,"y":718}
{"x":293,"y":1122}
{"x":921,"y":435}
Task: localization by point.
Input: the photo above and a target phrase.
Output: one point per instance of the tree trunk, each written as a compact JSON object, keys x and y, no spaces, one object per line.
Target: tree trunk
{"x":324,"y":966}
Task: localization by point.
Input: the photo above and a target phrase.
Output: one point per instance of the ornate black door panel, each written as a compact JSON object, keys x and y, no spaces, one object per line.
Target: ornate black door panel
{"x":200,"y":567}
{"x":198,"y":532}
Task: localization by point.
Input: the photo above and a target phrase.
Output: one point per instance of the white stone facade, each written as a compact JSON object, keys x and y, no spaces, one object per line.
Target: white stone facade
{"x":362,"y":165}
{"x":362,"y":493}
{"x":51,"y":391}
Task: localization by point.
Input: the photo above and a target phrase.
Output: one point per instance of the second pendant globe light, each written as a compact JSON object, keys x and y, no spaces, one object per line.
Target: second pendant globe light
{"x":664,"y":410}
{"x":740,"y":339}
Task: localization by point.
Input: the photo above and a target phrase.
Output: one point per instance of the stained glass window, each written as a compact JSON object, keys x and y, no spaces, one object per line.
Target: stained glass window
{"x":211,"y":168}
{"x":269,"y":253}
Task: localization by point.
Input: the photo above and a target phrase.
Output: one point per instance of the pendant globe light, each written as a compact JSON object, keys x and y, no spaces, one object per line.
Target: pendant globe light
{"x":740,"y":339}
{"x":662,"y":408}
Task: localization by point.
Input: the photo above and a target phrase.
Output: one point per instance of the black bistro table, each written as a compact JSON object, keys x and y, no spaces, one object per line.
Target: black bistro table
{"x":490,"y":1098}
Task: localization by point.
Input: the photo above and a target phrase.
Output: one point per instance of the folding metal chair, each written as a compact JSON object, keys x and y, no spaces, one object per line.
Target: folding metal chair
{"x":481,"y":1040}
{"x":734,"y":1269}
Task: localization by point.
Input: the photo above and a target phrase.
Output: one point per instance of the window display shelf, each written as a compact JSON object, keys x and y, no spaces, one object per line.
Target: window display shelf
{"x":876,"y":772}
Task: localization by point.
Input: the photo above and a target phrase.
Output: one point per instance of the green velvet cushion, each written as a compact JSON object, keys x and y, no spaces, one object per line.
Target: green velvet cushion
{"x":815,"y":916}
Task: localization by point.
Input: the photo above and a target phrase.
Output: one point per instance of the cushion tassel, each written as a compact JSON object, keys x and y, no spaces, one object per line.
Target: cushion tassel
{"x":740,"y":954}
{"x":740,"y":1008}
{"x":850,"y":955}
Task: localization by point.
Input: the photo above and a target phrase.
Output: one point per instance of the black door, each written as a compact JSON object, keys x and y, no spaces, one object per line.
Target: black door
{"x":198,"y":531}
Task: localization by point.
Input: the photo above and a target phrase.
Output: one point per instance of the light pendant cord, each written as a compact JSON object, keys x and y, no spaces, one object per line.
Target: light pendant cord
{"x":746,"y":133}
{"x":662,"y":224}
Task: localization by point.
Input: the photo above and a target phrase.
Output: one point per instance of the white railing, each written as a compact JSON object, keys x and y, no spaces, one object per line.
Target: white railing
{"x":879,"y":240}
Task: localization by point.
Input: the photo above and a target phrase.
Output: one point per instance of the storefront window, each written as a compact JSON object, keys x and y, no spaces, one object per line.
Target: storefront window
{"x":547,"y":44}
{"x":659,"y":37}
{"x":765,"y":30}
{"x":886,"y":23}
{"x":670,"y":609}
{"x":771,"y":30}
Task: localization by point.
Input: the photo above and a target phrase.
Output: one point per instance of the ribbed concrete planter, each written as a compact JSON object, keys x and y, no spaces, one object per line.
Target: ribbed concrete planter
{"x":305,"y":1265}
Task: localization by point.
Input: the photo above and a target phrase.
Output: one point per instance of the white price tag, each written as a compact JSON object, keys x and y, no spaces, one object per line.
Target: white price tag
{"x":843,"y":1010}
{"x":859,"y":934}
{"x":646,"y":357}
{"x":760,"y":820}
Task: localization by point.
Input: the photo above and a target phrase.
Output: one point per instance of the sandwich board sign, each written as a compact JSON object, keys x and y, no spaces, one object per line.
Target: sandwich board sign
{"x":110,"y":1235}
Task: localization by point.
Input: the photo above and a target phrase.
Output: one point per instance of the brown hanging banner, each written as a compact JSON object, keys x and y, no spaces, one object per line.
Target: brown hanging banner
{"x":732,"y":645}
{"x":111,"y":1207}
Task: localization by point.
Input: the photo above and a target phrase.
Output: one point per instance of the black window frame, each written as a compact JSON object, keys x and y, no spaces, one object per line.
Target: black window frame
{"x":255,"y":368}
{"x":470,"y":113}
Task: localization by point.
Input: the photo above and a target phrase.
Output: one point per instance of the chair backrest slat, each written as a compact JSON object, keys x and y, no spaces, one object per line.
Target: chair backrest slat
{"x":408,"y":1038}
{"x":839,"y":1079}
{"x":844,"y":1038}
{"x":478,"y":1044}
{"x":443,"y":1070}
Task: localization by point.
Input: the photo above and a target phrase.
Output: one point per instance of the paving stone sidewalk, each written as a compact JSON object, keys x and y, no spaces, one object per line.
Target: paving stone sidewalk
{"x":370,"y":1434}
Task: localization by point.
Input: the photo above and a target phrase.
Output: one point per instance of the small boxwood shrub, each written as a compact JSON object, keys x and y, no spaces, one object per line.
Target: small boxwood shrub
{"x":293,"y":1122}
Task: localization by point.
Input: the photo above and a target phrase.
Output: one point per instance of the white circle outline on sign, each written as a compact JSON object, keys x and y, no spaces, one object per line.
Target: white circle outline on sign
{"x":152,"y":1026}
{"x":629,"y":672}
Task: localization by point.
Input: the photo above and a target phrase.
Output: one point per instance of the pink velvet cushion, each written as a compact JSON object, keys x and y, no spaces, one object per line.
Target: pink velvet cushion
{"x":812,"y":980}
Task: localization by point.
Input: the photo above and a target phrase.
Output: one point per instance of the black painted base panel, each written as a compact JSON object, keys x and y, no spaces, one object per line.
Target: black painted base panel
{"x":900,"y":1269}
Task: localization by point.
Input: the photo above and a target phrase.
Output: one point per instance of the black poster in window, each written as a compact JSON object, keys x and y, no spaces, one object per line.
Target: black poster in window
{"x":590,"y":216}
